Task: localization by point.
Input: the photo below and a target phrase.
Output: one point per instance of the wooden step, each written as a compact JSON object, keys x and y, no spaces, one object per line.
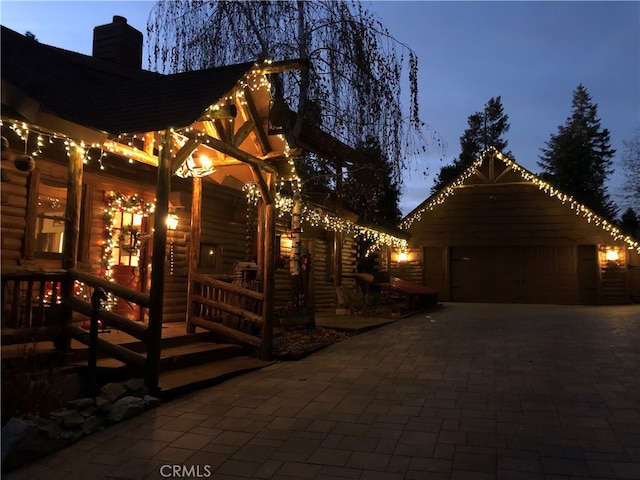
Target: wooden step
{"x":178,"y":382}
{"x":177,"y":356}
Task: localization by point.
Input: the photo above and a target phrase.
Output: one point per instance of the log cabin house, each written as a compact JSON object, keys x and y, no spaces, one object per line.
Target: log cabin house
{"x":500,"y":234}
{"x":136,"y":199}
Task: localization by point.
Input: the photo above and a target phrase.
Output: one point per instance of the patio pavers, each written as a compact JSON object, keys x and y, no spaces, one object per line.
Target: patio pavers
{"x":471,"y":391}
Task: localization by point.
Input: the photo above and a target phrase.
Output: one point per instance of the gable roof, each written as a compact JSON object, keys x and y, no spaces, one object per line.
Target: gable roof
{"x":106,"y":96}
{"x":483,"y":171}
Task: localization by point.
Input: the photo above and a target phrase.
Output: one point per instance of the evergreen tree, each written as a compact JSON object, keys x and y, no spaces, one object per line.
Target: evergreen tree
{"x":486,"y":129}
{"x":629,"y":222}
{"x":631,"y":166}
{"x":578,"y":158}
{"x":380,"y":200}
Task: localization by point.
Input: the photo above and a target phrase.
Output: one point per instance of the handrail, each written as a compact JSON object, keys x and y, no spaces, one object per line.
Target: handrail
{"x":129,"y":294}
{"x":216,"y":305}
{"x":27,"y":293}
{"x":229,"y":287}
{"x":28,"y":300}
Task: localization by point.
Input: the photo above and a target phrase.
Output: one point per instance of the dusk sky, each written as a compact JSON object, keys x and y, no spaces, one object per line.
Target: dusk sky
{"x":532,"y":54}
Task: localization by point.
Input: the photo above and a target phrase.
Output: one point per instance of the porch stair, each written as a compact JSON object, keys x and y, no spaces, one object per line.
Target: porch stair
{"x":188,"y":362}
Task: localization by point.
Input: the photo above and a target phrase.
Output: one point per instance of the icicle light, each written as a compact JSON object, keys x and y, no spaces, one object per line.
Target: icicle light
{"x":589,"y":215}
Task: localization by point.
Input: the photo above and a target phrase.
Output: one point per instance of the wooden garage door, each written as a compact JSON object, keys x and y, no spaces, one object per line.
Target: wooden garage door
{"x":528,"y":274}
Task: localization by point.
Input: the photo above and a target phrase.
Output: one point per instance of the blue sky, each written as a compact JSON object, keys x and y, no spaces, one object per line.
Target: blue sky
{"x":532,"y":54}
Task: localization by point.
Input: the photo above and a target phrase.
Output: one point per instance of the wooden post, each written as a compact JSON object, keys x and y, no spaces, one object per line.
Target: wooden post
{"x":269,"y":271}
{"x":194,"y":245}
{"x":156,"y":290}
{"x":337,"y":242}
{"x":71,"y":236}
{"x":97,"y":297}
{"x":72,"y":213}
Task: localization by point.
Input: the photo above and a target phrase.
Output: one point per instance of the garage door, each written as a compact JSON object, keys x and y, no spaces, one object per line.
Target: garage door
{"x":531,"y":274}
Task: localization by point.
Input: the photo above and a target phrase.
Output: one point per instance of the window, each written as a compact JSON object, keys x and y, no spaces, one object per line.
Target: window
{"x":50,"y":212}
{"x":210,"y":256}
{"x":129,"y":231}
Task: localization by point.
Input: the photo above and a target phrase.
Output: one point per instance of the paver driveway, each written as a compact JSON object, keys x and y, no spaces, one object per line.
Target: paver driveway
{"x":472,"y":391}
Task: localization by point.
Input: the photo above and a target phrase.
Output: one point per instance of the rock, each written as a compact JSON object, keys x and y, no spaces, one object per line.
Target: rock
{"x":87,"y":412}
{"x":24,"y":440}
{"x":82,"y":403}
{"x":103,"y":405}
{"x":150,"y":402}
{"x":67,"y":418}
{"x":136,"y":387}
{"x":93,"y":424}
{"x":126,"y":407}
{"x":112,"y":391}
{"x":11,"y":434}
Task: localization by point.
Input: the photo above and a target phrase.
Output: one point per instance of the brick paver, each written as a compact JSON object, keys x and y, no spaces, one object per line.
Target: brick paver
{"x":471,"y":391}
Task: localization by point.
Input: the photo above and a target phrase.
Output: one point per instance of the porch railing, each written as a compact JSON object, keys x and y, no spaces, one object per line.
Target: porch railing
{"x":34,"y":308}
{"x":232,"y":311}
{"x":31,"y":306}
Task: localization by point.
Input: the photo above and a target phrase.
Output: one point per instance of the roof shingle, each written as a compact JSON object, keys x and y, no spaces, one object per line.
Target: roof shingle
{"x":107,"y":96}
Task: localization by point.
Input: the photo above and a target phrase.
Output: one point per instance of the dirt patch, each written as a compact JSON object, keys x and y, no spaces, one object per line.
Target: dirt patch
{"x":297,"y":344}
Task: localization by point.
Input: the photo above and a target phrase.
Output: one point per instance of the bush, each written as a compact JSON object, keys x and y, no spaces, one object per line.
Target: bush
{"x":31,"y":383}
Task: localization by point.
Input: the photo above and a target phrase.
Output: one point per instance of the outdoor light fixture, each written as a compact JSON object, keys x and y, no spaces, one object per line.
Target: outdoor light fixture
{"x":172,"y":221}
{"x":612,"y":255}
{"x":196,"y":166}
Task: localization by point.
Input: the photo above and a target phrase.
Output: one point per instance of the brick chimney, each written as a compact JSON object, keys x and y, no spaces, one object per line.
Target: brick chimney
{"x":118,"y":42}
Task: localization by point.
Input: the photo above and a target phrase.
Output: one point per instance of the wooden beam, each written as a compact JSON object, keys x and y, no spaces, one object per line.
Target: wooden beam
{"x":243,"y":132}
{"x":232,"y":151}
{"x":121,"y":291}
{"x":130,"y":327}
{"x":226,"y":332}
{"x":156,"y":290}
{"x":262,"y":185}
{"x":269,"y":274}
{"x":194,"y":245}
{"x":130,"y":152}
{"x":221,"y":130}
{"x":219,"y":113}
{"x":116,"y":351}
{"x":181,"y":155}
{"x":285,"y":66}
{"x":228,"y":308}
{"x":72,"y":213}
{"x":252,"y":110}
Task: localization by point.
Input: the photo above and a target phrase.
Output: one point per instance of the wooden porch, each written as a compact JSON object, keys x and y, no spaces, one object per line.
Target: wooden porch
{"x":41,"y":317}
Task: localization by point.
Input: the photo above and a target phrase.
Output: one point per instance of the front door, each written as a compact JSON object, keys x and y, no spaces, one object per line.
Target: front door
{"x":129,"y":258}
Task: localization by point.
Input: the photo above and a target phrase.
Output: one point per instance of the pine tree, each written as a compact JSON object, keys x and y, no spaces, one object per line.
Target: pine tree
{"x":629,"y":222}
{"x":578,"y":158}
{"x":631,"y":166}
{"x":485,"y":130}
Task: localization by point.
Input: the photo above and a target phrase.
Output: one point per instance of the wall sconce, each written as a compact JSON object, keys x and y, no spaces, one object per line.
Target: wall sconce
{"x":612,"y":255}
{"x":402,"y":256}
{"x":172,"y":221}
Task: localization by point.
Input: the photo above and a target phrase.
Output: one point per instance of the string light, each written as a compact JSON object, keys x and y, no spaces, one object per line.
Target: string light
{"x":580,"y":209}
{"x":118,"y":203}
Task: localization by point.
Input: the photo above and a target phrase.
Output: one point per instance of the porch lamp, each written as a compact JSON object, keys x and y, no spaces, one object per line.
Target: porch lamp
{"x":172,"y":221}
{"x":612,"y":255}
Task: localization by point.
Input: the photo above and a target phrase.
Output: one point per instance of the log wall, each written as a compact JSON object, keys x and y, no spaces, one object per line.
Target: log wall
{"x":13,"y":212}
